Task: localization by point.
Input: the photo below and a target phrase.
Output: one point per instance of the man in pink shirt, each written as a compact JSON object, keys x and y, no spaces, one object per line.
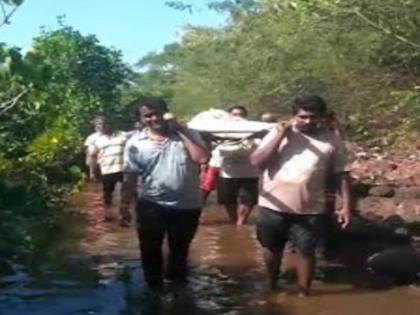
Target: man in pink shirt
{"x":296,"y":161}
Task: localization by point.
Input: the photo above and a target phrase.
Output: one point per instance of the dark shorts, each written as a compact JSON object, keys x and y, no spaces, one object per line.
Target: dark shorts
{"x":232,"y":190}
{"x":305,"y":232}
{"x":112,"y":179}
{"x":108,"y":184}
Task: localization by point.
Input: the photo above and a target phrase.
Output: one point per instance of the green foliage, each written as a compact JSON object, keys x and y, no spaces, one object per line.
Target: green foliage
{"x":47,"y":97}
{"x":357,"y":54}
{"x":86,"y":77}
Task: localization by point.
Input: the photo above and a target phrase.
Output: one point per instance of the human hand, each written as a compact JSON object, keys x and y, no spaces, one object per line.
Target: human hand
{"x":172,"y":122}
{"x":344,"y":217}
{"x":285,"y":126}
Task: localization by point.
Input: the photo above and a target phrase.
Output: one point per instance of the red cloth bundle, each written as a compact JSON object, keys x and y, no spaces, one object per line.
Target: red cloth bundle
{"x":209,"y":178}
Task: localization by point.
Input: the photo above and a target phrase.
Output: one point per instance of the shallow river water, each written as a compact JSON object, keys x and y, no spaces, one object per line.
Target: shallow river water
{"x":93,"y":267}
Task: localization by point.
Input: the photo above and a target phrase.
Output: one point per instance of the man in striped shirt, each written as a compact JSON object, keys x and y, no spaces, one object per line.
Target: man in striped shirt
{"x":107,"y":152}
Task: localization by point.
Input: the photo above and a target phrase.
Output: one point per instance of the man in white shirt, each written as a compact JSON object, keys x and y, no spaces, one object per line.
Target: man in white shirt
{"x":107,"y":152}
{"x":237,"y":185}
{"x":97,"y":123}
{"x":296,"y":161}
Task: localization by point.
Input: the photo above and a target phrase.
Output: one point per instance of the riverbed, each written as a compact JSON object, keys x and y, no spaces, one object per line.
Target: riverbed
{"x":93,"y":267}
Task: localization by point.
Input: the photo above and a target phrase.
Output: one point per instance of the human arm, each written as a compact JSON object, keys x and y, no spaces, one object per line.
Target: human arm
{"x":92,"y":162}
{"x":129,"y":186}
{"x":344,"y":214}
{"x":93,"y":166}
{"x":340,"y":166}
{"x":269,"y":146}
{"x":131,"y":173}
{"x":194,"y":145}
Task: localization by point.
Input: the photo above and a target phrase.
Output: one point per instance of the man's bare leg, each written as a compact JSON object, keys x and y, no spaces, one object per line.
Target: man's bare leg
{"x":305,"y":268}
{"x":232,"y":212}
{"x":243,"y":213}
{"x":272,"y":259}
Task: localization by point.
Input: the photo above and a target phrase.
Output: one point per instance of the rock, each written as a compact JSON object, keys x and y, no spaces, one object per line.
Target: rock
{"x":405,"y":193}
{"x":363,"y":229}
{"x":399,"y":226}
{"x":384,"y":207}
{"x":382,"y":191}
{"x":360,"y":189}
{"x":401,"y":264}
{"x":393,"y":166}
{"x":409,"y":210}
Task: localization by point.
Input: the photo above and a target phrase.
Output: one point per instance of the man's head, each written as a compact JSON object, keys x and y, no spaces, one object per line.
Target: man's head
{"x":268,"y":117}
{"x":238,"y":111}
{"x":101,"y":124}
{"x":308,"y":112}
{"x":151,"y":111}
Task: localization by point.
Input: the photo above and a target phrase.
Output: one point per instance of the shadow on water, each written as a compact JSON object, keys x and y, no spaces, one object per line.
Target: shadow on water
{"x":93,"y":267}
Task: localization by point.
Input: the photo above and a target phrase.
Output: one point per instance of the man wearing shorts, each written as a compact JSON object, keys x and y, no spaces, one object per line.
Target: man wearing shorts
{"x":237,"y":184}
{"x":296,"y":161}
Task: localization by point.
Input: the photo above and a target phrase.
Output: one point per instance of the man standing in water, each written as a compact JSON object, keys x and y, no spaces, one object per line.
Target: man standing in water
{"x":296,"y":160}
{"x":106,"y":153}
{"x":97,"y":123}
{"x":167,"y":156}
{"x":237,"y":184}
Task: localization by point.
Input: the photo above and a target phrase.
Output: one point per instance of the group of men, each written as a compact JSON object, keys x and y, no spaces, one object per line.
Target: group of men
{"x":288,"y":173}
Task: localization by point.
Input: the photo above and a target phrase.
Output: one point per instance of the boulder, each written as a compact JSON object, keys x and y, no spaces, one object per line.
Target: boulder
{"x":360,"y":189}
{"x":409,"y":210}
{"x":383,"y":207}
{"x":406,"y":193}
{"x":369,"y":230}
{"x":382,"y":191}
{"x":401,"y":264}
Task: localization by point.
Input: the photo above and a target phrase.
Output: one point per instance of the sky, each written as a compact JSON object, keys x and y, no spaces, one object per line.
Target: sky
{"x":136,"y":27}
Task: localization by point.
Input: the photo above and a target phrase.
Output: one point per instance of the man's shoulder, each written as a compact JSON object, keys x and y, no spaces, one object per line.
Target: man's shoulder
{"x":137,"y":137}
{"x":90,"y":139}
{"x":332,"y":137}
{"x":195,"y":134}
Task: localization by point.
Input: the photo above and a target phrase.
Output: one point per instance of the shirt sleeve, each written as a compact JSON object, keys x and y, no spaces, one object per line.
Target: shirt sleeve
{"x":90,"y":144}
{"x":90,"y":140}
{"x":216,"y":158}
{"x":93,"y":148}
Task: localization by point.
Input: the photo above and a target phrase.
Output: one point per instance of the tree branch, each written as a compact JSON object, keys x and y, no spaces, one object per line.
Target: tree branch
{"x":6,"y":16}
{"x":7,"y":105}
{"x":384,"y":30}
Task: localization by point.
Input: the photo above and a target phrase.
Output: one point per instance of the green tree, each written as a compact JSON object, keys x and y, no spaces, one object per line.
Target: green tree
{"x":47,"y":97}
{"x":358,"y":54}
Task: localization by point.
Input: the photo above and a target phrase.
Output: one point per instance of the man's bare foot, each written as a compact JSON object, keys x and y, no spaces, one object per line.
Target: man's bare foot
{"x":302,"y":292}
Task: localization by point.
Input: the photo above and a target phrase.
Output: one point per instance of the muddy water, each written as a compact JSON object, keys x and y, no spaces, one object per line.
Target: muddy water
{"x":92,"y":267}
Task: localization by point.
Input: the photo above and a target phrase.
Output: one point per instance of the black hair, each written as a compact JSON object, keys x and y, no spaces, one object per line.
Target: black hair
{"x":151,"y":103}
{"x":261,"y":114}
{"x":240,"y":107}
{"x":312,"y":103}
{"x":98,"y":118}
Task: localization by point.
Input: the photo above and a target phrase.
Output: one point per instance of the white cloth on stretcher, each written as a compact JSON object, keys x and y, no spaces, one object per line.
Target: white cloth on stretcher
{"x":222,"y":124}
